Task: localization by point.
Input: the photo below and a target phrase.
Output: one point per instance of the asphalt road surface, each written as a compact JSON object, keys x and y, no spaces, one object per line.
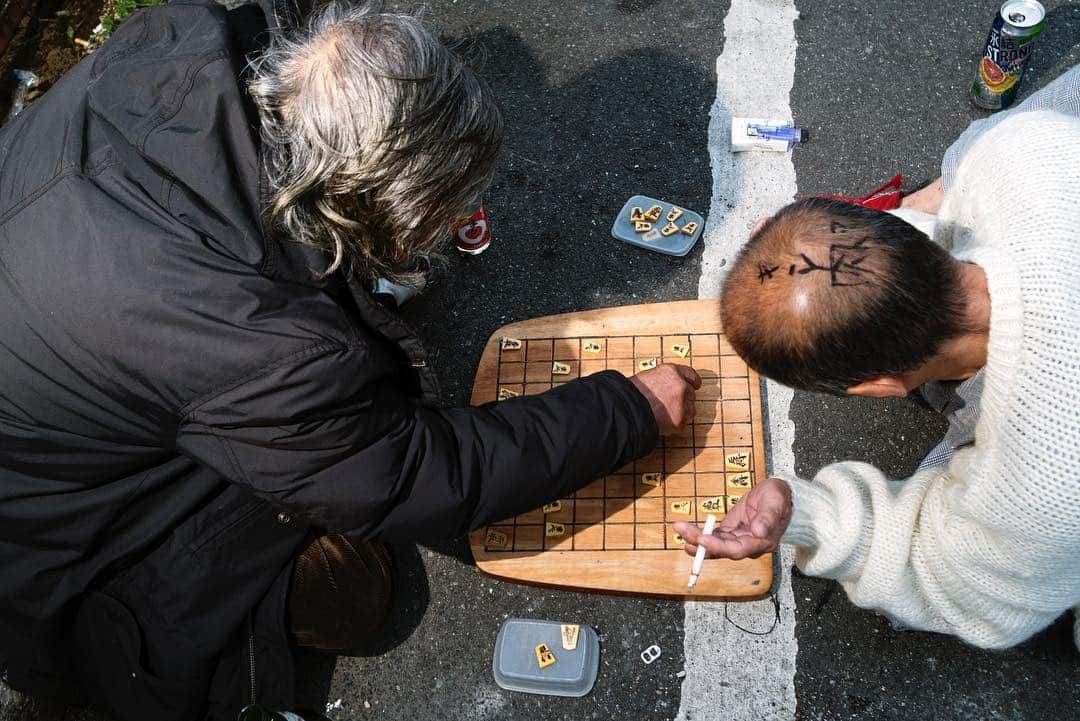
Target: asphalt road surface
{"x":607,"y":99}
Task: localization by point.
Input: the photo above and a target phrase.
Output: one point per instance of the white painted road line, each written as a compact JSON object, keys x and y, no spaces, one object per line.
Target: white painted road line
{"x":730,"y":674}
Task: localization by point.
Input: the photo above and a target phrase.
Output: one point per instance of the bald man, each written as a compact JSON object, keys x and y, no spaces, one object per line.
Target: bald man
{"x":983,"y":541}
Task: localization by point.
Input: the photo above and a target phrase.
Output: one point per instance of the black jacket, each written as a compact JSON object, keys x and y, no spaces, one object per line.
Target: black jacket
{"x":181,"y":401}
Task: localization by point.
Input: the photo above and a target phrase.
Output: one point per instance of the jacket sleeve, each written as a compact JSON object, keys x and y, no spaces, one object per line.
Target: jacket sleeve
{"x":316,"y":434}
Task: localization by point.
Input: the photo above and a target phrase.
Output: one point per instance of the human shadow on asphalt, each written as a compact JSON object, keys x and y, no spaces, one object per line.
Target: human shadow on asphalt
{"x":893,"y":434}
{"x":572,"y":154}
{"x":825,"y":598}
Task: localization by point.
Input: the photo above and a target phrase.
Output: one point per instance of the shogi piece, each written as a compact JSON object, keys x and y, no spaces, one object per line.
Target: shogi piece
{"x":615,"y":534}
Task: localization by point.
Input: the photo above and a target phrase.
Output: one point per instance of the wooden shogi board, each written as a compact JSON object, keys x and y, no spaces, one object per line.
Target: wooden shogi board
{"x":618,"y":535}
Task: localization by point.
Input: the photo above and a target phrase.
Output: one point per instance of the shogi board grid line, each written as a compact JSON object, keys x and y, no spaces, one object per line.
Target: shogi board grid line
{"x":636,"y":472}
{"x":647,"y":561}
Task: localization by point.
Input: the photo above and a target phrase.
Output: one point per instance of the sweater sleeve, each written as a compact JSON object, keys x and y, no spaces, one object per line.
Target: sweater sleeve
{"x":1062,"y":96}
{"x":919,"y":552}
{"x":985,"y":547}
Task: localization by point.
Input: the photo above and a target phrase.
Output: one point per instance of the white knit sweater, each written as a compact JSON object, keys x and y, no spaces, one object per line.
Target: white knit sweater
{"x":986,"y":547}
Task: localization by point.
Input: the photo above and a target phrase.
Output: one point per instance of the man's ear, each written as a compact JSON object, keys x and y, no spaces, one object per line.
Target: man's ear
{"x":880,"y":387}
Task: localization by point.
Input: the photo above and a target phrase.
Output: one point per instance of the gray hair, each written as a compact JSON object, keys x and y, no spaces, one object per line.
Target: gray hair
{"x":376,"y":138}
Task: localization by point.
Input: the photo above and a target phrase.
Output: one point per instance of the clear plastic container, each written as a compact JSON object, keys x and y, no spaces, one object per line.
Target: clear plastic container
{"x":678,"y":243}
{"x":515,"y":662}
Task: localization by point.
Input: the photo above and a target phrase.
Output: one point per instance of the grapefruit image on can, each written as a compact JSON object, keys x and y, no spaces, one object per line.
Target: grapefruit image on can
{"x":995,"y":78}
{"x":991,"y":73}
{"x":1006,"y":52}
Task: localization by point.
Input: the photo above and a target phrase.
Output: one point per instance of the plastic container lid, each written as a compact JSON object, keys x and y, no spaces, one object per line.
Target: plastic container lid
{"x":678,"y":244}
{"x":516,"y":668}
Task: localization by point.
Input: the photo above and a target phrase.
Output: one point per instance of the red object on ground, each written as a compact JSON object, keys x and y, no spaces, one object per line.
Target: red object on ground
{"x":472,"y":234}
{"x":887,"y":197}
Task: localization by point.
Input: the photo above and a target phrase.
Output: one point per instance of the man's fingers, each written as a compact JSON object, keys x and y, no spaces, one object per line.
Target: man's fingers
{"x":734,"y":523}
{"x":670,"y":398}
{"x":769,"y":510}
{"x":762,"y":526}
{"x":771,"y":503}
{"x":689,"y":375}
{"x":750,"y":530}
{"x":735,"y":547}
{"x":688,"y":531}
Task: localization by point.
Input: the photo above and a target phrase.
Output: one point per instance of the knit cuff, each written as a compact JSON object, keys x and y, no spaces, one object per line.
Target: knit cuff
{"x":813,"y":510}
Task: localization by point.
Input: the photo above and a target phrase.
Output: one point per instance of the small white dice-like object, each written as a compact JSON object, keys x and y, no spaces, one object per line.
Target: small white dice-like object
{"x":650,"y":654}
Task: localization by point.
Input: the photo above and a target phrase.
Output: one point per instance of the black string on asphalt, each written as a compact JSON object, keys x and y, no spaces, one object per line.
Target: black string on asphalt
{"x":776,"y":618}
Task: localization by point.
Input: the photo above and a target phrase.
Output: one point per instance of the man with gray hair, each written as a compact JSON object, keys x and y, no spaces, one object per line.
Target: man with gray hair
{"x":198,"y":383}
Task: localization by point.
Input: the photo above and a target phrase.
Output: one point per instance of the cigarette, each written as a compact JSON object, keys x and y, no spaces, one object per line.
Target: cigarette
{"x":695,"y":571}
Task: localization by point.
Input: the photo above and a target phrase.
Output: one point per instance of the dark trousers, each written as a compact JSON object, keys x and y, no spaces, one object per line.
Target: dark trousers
{"x":185,"y":633}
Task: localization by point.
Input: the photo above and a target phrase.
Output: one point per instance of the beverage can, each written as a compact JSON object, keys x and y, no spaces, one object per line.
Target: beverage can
{"x":1006,"y":53}
{"x":472,"y":233}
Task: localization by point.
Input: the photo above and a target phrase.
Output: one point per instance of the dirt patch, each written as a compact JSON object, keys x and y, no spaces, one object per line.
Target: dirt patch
{"x":44,"y":43}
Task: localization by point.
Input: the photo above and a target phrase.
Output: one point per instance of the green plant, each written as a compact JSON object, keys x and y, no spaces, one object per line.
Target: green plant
{"x":116,"y":12}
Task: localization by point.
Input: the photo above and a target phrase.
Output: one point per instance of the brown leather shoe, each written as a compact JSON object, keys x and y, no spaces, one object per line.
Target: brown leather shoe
{"x":340,"y":594}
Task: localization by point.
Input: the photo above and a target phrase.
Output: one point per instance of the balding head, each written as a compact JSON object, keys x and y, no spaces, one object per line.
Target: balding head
{"x":828,"y":294}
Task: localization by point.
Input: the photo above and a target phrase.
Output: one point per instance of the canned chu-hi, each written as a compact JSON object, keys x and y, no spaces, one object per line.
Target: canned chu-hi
{"x":1006,"y":53}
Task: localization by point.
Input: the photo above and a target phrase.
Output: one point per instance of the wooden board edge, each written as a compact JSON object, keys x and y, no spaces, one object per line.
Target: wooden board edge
{"x":672,"y":313}
{"x":486,"y":380}
{"x":587,"y":322}
{"x":630,"y":594}
{"x":758,"y":573}
{"x":757,"y":419}
{"x":597,"y":315}
{"x":583,"y":323}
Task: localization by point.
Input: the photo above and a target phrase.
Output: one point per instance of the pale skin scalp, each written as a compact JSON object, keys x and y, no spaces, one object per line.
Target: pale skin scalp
{"x":792,"y":292}
{"x":756,"y":524}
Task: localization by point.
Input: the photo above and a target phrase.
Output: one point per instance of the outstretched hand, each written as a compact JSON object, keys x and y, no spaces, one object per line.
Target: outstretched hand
{"x":753,"y":527}
{"x":670,"y":391}
{"x":927,"y":199}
